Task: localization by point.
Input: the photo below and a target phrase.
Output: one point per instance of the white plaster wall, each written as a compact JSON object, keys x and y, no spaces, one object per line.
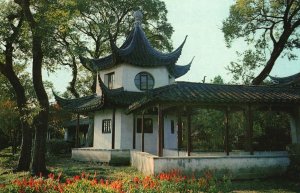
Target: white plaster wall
{"x":118,"y":70}
{"x":114,"y":157}
{"x":170,"y":139}
{"x":126,"y":131}
{"x":125,"y":74}
{"x":102,"y":140}
{"x":150,"y":139}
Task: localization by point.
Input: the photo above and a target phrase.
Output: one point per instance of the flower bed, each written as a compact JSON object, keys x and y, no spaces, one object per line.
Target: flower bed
{"x":172,"y":181}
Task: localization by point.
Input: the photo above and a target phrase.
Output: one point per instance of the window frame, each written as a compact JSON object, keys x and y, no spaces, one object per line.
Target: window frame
{"x":144,"y":81}
{"x":106,"y":126}
{"x":148,"y":125}
{"x":110,"y":78}
{"x":172,"y":126}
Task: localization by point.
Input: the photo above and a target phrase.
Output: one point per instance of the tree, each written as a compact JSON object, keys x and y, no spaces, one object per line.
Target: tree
{"x":11,"y":23}
{"x":269,"y":27}
{"x":87,"y":33}
{"x":39,"y":25}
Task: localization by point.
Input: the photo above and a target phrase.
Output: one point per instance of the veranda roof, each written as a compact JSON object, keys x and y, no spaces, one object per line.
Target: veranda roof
{"x":187,"y":93}
{"x":190,"y":93}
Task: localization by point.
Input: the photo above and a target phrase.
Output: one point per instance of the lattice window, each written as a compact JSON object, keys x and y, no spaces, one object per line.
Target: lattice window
{"x":106,"y":126}
{"x":148,"y":125}
{"x":144,"y":81}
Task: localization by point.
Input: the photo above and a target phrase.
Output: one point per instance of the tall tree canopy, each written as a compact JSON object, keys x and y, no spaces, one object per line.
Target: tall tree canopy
{"x":269,"y":27}
{"x":88,"y":32}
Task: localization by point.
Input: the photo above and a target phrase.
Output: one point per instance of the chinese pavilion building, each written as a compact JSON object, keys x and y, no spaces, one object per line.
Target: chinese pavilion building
{"x":139,"y":105}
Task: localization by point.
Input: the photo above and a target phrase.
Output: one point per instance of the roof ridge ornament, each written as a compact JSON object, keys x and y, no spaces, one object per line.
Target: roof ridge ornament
{"x":138,"y":16}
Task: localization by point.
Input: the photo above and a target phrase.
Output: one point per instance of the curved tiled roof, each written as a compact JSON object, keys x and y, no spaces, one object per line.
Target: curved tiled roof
{"x":137,"y":50}
{"x":286,"y":80}
{"x":83,"y":104}
{"x":200,"y":93}
{"x":109,"y":98}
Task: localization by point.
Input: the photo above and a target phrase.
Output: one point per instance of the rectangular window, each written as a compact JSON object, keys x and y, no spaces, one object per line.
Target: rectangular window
{"x":109,"y":80}
{"x":148,"y":125}
{"x":106,"y":126}
{"x":172,"y":126}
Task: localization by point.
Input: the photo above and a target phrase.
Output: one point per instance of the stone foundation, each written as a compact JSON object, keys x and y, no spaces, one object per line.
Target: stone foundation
{"x":238,"y":165}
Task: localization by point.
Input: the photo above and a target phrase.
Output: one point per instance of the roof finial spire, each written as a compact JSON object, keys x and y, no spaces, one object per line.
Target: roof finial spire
{"x":138,"y":16}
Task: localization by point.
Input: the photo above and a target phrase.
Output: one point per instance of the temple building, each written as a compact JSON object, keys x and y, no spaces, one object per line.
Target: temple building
{"x":139,"y":105}
{"x":124,"y":78}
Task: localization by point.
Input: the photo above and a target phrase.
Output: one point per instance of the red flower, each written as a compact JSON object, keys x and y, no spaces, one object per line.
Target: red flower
{"x":101,"y":181}
{"x":136,"y":180}
{"x":94,"y":182}
{"x":76,"y":177}
{"x":51,"y":176}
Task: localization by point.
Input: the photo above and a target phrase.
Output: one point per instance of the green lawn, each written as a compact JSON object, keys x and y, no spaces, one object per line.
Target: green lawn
{"x":70,"y":168}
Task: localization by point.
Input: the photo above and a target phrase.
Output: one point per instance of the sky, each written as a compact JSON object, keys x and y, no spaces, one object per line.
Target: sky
{"x":201,"y":20}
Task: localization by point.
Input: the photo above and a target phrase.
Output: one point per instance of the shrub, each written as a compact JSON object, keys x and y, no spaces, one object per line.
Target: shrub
{"x":58,"y":146}
{"x":4,"y":142}
{"x":294,"y":155}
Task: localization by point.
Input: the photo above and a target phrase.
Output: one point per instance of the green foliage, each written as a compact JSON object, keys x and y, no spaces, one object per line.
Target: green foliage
{"x":8,"y":115}
{"x":4,"y":139}
{"x":58,"y":146}
{"x":269,"y":28}
{"x":271,"y":130}
{"x":217,"y":80}
{"x":208,"y":130}
{"x":243,"y":70}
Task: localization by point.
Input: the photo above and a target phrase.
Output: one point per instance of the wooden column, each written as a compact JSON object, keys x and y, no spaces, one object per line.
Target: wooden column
{"x":143,"y":132}
{"x":133,"y":132}
{"x":189,"y":140}
{"x":249,"y":129}
{"x":160,"y":131}
{"x":227,"y":131}
{"x":179,"y":135}
{"x":77,"y":132}
{"x":163,"y":132}
{"x":113,"y":127}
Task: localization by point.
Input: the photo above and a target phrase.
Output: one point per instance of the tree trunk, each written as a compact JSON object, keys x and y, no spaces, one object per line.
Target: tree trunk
{"x":278,"y":48}
{"x":41,"y":120}
{"x":25,"y":154}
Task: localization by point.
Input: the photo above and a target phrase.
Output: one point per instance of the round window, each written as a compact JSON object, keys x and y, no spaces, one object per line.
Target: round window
{"x":144,"y":81}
